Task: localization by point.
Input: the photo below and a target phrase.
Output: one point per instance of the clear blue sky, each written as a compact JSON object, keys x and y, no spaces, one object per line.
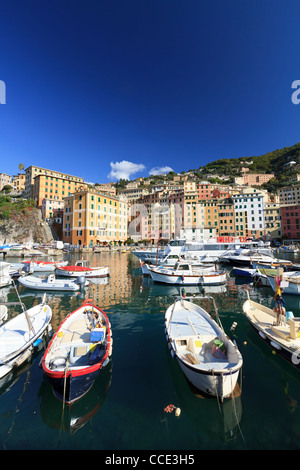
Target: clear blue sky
{"x":94,"y":86}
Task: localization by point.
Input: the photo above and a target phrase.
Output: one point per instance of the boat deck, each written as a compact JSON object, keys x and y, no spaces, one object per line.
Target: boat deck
{"x":265,"y":319}
{"x":194,"y":338}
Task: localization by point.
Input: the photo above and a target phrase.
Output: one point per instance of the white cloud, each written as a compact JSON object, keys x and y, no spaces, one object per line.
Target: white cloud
{"x":124,"y":169}
{"x":159,"y":170}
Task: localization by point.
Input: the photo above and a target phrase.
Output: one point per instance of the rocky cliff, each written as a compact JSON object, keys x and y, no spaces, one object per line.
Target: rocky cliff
{"x":25,"y":226}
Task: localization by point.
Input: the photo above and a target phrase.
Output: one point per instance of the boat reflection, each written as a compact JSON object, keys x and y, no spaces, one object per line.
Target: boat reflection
{"x":216,"y":420}
{"x":74,"y":417}
{"x":173,"y":290}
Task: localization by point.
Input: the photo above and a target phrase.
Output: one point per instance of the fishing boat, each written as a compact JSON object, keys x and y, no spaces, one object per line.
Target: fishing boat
{"x":205,"y":354}
{"x":290,"y":281}
{"x":186,"y":273}
{"x":244,"y":272}
{"x":273,"y":264}
{"x":78,"y":351}
{"x":284,"y":339}
{"x":45,"y":266}
{"x":51,"y":283}
{"x":81,"y":268}
{"x":22,"y":334}
{"x":5,"y":279}
{"x":204,"y":267}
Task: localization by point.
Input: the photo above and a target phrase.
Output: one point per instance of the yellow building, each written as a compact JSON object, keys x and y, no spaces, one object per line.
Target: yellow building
{"x":19,"y":182}
{"x":92,"y":217}
{"x":41,"y":183}
{"x":54,"y":187}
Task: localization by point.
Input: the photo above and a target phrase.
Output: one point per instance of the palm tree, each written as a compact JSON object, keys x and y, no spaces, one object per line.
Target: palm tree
{"x":21,"y":167}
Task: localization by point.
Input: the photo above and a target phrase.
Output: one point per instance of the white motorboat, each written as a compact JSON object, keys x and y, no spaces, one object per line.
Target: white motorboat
{"x":81,"y":268}
{"x":245,"y":257}
{"x":284,"y":338}
{"x":188,"y":274}
{"x":5,"y":279}
{"x":205,"y":250}
{"x":45,"y":266}
{"x":22,"y":334}
{"x":205,"y":354}
{"x":51,"y":283}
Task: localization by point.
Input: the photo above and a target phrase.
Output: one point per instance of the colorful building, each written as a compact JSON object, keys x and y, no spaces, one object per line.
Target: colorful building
{"x":92,"y":217}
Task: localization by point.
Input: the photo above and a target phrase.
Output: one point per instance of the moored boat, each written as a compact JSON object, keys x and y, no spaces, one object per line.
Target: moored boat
{"x":45,"y":266}
{"x":5,"y":279}
{"x":81,"y":268}
{"x":284,"y":338}
{"x":78,"y":351}
{"x":188,"y":274}
{"x":205,"y":354}
{"x":51,"y":283}
{"x":20,"y":335}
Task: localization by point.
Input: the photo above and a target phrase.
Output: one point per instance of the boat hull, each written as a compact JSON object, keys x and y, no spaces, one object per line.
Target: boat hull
{"x":89,"y":273}
{"x":205,"y":279}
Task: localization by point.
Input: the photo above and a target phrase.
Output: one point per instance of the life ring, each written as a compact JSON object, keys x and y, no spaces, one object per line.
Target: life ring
{"x":242,"y":239}
{"x":230,"y":239}
{"x":225,"y":239}
{"x":220,"y":239}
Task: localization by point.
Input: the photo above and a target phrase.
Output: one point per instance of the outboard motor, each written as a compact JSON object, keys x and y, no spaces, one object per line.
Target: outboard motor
{"x":26,"y":268}
{"x":81,"y":281}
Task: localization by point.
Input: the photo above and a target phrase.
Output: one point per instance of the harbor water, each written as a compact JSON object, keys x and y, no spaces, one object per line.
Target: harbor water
{"x":126,"y":407}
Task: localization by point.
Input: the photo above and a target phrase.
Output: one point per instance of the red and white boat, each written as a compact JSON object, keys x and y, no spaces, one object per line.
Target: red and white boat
{"x":79,"y":349}
{"x":81,"y":268}
{"x":44,"y":266}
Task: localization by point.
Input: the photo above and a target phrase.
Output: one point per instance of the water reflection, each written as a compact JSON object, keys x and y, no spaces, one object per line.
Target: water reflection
{"x":72,"y":418}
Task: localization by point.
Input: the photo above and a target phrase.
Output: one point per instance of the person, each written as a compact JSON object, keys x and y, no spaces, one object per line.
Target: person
{"x":279,"y":302}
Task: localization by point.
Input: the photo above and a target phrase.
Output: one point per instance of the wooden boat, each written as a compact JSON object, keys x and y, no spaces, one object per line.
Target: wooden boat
{"x":45,"y":266}
{"x":20,"y":335}
{"x":205,"y":354}
{"x":278,"y":263}
{"x":187,"y":274}
{"x":290,"y":281}
{"x":81,"y":268}
{"x":205,"y":268}
{"x":50,"y":283}
{"x":285,"y":338}
{"x":77,"y":352}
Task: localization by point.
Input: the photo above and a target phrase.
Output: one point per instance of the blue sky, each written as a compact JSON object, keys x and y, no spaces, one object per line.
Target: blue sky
{"x":110,"y":89}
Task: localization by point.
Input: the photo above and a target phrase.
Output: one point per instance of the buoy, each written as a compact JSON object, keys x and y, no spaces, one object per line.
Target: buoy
{"x":245,"y":342}
{"x":177,"y":412}
{"x":233,"y":326}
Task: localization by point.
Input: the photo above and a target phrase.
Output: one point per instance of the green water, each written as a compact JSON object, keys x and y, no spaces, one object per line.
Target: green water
{"x":125,"y":408}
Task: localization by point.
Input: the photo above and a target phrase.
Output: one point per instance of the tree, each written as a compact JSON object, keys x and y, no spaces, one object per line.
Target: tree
{"x":21,"y":167}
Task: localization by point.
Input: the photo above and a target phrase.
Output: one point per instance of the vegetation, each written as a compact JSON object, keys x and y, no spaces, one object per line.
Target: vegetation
{"x":14,"y":207}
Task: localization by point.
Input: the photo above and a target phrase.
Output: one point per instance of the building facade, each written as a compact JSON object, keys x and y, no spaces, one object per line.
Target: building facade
{"x":92,"y":218}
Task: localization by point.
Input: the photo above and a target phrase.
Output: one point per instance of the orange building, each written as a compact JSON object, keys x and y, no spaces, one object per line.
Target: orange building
{"x":93,"y":217}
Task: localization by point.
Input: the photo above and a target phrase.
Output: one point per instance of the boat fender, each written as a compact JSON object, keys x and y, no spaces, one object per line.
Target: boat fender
{"x":177,"y":412}
{"x":275,"y":345}
{"x":262,"y":334}
{"x":173,"y":355}
{"x":233,"y":326}
{"x":37,"y":342}
{"x":57,"y":362}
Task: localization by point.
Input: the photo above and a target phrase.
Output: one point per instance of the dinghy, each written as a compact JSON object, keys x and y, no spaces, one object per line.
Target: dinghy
{"x":81,"y":268}
{"x":20,"y":335}
{"x":205,"y":354}
{"x":283,"y":338}
{"x":50,"y":283}
{"x":78,"y":351}
{"x":187,"y":274}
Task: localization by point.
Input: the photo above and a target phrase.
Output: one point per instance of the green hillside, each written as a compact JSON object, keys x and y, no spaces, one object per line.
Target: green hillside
{"x":272,"y":162}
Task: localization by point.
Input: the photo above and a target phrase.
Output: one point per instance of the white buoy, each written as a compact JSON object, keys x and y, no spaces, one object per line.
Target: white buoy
{"x":177,"y":412}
